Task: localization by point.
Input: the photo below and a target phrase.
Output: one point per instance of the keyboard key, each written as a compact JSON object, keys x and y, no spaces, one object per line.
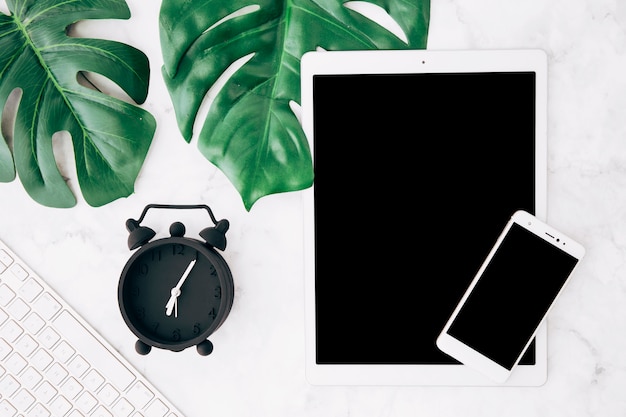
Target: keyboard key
{"x":26,"y":345}
{"x":48,"y":337}
{"x":56,"y":373}
{"x":86,"y":402}
{"x":78,"y":366}
{"x":39,"y":411}
{"x":47,"y":306}
{"x":45,"y":392}
{"x":93,"y":380}
{"x":30,"y":378}
{"x":5,"y":349}
{"x":156,"y":409}
{"x":63,"y":351}
{"x":60,"y":406}
{"x":5,"y":258}
{"x":122,"y":408}
{"x":6,"y":409}
{"x":33,"y":323}
{"x":30,"y":290}
{"x":9,"y":385}
{"x":19,"y":272}
{"x":23,"y":399}
{"x":41,"y":359}
{"x":71,"y":387}
{"x":18,"y":309}
{"x":101,"y":412}
{"x":15,"y":363}
{"x":108,"y":394}
{"x":6,"y":295}
{"x":139,"y":395}
{"x":11,"y":331}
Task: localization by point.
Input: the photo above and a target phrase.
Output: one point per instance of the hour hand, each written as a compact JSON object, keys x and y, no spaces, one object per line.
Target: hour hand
{"x":172,"y":302}
{"x":175,"y":291}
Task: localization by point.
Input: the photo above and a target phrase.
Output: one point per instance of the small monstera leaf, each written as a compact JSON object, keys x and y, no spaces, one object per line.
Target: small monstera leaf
{"x":250,"y":131}
{"x":110,"y":137}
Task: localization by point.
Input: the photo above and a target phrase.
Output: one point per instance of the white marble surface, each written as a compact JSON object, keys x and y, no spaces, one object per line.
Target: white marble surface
{"x":257,"y":368}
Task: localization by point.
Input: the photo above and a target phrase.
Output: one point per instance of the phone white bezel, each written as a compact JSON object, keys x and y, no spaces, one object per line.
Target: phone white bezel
{"x":471,"y":357}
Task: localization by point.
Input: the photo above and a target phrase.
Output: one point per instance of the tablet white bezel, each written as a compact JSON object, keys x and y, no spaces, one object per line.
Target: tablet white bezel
{"x":418,"y":61}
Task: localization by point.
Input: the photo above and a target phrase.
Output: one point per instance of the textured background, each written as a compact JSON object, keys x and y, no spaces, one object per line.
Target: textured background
{"x":257,"y":368}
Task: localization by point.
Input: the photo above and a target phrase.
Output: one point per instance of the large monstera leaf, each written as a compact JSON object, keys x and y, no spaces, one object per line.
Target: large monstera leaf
{"x":110,"y":136}
{"x":250,"y":131}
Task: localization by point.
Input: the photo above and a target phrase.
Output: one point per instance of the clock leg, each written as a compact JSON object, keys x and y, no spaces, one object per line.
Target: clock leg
{"x":142,"y":348}
{"x":205,"y":347}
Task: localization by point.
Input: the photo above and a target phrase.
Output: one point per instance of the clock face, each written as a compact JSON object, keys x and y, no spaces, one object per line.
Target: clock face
{"x":159,"y":314}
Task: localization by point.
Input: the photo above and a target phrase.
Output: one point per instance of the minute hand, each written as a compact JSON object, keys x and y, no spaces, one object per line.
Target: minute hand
{"x":175,"y":292}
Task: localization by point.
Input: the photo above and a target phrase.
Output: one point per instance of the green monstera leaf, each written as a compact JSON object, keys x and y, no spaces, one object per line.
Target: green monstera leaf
{"x":110,"y":136}
{"x":251,"y":132}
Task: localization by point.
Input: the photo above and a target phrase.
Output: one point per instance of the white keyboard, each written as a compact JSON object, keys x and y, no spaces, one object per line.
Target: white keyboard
{"x":52,"y":363}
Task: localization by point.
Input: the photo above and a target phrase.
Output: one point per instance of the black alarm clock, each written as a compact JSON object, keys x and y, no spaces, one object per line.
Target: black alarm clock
{"x":176,"y":291}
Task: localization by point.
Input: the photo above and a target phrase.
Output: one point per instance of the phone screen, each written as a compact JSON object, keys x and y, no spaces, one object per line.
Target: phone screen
{"x":512,"y":296}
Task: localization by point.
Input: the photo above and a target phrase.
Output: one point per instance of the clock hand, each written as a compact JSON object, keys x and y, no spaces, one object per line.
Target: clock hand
{"x":175,"y":292}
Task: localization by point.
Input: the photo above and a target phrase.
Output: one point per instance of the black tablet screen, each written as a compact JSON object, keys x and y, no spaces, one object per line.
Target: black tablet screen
{"x":415,"y":176}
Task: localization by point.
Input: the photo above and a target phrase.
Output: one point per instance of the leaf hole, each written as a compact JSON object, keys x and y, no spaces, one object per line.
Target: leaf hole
{"x":4,"y":8}
{"x":9,"y":113}
{"x":296,"y":110}
{"x":241,"y":12}
{"x":97,"y":82}
{"x":100,"y":29}
{"x":210,"y":95}
{"x":378,"y":15}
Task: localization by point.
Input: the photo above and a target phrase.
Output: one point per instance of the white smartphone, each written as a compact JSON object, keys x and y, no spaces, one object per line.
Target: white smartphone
{"x":510,"y":296}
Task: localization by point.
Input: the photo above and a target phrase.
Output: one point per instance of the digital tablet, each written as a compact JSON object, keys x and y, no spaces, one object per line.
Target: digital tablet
{"x":404,"y":142}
